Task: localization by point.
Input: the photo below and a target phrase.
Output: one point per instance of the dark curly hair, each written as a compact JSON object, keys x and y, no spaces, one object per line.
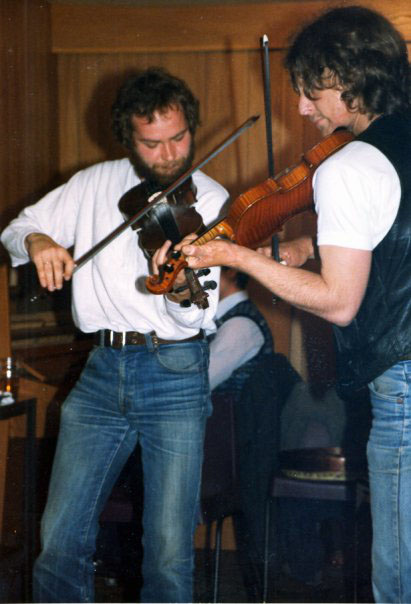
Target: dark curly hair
{"x":146,"y":92}
{"x":355,"y":48}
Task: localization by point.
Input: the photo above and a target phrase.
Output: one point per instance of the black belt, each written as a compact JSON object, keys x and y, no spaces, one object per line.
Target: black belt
{"x":116,"y":339}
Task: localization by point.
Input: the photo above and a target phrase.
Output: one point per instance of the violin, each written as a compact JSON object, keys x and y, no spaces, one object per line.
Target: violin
{"x":172,"y":220}
{"x":262,"y":210}
{"x":199,"y":297}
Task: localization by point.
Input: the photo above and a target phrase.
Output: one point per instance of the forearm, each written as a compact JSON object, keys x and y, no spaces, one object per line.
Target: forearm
{"x":335,"y":294}
{"x":299,"y":287}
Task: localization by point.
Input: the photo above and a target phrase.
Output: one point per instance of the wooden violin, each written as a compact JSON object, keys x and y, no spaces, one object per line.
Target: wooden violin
{"x":159,"y":199}
{"x":173,"y":219}
{"x":261,"y":211}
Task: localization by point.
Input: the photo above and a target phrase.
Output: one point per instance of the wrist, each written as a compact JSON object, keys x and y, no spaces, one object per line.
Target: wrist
{"x":31,"y":238}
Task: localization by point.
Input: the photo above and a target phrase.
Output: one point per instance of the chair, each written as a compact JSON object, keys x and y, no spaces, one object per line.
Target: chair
{"x":27,"y":408}
{"x":241,"y":433}
{"x":218,"y":487}
{"x":363,"y":540}
{"x":317,"y":474}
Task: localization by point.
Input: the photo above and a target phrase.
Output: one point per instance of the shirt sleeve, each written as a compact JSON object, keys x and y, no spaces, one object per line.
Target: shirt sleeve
{"x":54,"y":215}
{"x":356,"y":193}
{"x":237,"y":341}
{"x":193,"y":317}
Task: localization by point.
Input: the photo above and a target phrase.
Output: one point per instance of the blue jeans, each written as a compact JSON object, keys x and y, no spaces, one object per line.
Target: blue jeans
{"x":159,"y":398}
{"x":389,"y":459}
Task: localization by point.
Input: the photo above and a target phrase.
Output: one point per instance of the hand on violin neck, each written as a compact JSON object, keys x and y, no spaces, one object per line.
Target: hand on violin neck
{"x":162,"y":255}
{"x":53,"y":262}
{"x":214,"y":253}
{"x":297,"y":251}
{"x":265,"y":250}
{"x":161,"y":258}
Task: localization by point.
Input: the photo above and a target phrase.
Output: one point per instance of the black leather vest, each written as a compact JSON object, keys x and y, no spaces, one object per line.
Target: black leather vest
{"x":380,"y":334}
{"x":234,"y":384}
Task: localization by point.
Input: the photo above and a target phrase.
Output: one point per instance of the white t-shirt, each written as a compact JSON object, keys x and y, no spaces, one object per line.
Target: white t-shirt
{"x":106,"y":290}
{"x":357,"y":194}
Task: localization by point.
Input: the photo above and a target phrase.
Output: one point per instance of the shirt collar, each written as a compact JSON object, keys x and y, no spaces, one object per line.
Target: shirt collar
{"x":228,"y":302}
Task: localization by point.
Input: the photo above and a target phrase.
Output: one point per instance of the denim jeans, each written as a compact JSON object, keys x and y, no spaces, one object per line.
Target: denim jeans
{"x":159,"y":398}
{"x":389,"y":459}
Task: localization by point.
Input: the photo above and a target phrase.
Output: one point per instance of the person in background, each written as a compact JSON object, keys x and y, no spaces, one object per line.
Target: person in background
{"x":245,"y":370}
{"x":146,"y":379}
{"x":242,"y":336}
{"x":350,"y":70}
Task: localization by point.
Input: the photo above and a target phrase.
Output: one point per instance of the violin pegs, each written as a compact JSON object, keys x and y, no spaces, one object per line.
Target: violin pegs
{"x":203,"y":272}
{"x":209,"y":285}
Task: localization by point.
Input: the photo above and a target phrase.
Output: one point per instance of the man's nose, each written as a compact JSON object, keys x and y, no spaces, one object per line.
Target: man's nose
{"x":169,"y":151}
{"x":304,"y":105}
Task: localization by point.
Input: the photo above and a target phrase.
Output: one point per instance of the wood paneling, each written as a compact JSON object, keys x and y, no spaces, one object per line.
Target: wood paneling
{"x":54,"y":108}
{"x":229,"y":86}
{"x":228,"y":83}
{"x":27,"y":105}
{"x":113,"y":28}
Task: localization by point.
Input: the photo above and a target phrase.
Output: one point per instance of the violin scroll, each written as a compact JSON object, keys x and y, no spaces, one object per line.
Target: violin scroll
{"x":163,"y":282}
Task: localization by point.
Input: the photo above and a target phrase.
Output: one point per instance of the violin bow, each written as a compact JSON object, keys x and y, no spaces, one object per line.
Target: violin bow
{"x":170,"y":189}
{"x":268,"y":127}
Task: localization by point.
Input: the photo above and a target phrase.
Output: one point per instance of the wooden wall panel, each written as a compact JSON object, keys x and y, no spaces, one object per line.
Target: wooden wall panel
{"x":28,"y":145}
{"x":110,"y":28}
{"x":229,"y":86}
{"x":229,"y":89}
{"x":216,"y":49}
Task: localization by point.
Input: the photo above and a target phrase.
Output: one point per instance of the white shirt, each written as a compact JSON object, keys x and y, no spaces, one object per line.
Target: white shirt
{"x":357,"y":195}
{"x":107,"y":291}
{"x":237,"y":341}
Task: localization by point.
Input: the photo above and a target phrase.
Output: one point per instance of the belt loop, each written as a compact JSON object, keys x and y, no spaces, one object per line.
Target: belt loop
{"x":151,"y":341}
{"x":102,"y":334}
{"x":123,"y":338}
{"x":111,"y":333}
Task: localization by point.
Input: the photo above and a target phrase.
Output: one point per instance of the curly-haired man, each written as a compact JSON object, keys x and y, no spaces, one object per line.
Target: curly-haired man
{"x":350,"y":69}
{"x":146,"y":379}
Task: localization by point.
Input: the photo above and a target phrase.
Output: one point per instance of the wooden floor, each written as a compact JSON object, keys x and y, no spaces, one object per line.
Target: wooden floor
{"x":111,"y":588}
{"x":287,"y":590}
{"x":118,"y":559}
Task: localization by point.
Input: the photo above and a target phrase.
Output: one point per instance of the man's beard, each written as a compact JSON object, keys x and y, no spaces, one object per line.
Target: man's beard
{"x":158,"y":178}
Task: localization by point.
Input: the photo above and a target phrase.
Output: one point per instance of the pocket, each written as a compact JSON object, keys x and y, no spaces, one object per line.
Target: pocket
{"x":389,"y":386}
{"x":187,"y":358}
